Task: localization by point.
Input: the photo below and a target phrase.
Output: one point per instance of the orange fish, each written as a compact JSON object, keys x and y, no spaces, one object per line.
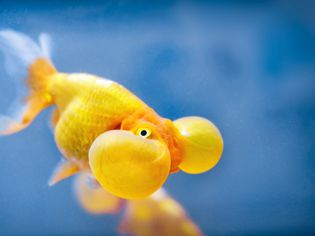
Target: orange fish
{"x":102,"y":128}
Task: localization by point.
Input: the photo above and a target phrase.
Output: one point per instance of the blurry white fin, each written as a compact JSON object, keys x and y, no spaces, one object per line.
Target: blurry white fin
{"x":20,"y":51}
{"x":63,"y":170}
{"x":45,"y":45}
{"x":25,"y":59}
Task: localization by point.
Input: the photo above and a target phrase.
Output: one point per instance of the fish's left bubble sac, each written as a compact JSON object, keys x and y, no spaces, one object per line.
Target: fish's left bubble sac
{"x":127,"y":165}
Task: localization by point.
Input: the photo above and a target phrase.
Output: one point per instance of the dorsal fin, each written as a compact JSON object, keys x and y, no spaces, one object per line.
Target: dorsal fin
{"x":63,"y":170}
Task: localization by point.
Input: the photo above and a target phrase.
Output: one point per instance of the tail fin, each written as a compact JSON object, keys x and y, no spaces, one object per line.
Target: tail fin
{"x":24,"y":58}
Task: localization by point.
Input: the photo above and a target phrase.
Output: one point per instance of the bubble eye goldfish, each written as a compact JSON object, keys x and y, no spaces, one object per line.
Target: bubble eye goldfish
{"x":101,"y":127}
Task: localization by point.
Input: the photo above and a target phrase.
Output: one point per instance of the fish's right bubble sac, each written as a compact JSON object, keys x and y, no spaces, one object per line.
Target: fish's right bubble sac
{"x":202,"y":144}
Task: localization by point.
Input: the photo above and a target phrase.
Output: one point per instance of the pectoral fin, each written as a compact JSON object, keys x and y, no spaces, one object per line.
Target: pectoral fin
{"x":63,"y":170}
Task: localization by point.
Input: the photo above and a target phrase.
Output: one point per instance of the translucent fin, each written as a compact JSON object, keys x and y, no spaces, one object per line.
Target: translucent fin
{"x":25,"y":115}
{"x":24,"y":58}
{"x":20,"y":51}
{"x":63,"y":170}
{"x":157,"y":215}
{"x":45,"y":45}
{"x":55,"y":115}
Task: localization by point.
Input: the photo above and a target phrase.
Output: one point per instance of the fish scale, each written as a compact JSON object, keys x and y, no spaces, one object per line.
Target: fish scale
{"x":100,"y":107}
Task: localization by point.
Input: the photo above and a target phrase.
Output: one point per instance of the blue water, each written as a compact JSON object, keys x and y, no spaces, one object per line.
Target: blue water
{"x":248,"y":67}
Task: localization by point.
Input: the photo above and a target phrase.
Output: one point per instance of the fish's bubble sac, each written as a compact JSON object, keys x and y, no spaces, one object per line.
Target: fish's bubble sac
{"x":202,"y":144}
{"x":128,"y":165}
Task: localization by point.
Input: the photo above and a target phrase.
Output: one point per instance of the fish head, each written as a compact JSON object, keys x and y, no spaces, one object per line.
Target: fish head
{"x":132,"y":162}
{"x":135,"y":161}
{"x":195,"y":144}
{"x":149,"y":125}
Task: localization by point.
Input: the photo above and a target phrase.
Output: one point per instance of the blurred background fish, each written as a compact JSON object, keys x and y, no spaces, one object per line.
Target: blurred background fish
{"x":157,"y":215}
{"x":247,"y":66}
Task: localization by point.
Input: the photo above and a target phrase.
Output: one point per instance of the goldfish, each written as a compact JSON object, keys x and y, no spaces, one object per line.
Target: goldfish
{"x":102,"y":128}
{"x":158,"y":214}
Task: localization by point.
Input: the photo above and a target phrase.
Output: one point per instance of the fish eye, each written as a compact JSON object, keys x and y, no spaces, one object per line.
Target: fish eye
{"x":143,"y":132}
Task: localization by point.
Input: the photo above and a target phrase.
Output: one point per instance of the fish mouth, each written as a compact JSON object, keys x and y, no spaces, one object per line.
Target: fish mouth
{"x":128,"y":165}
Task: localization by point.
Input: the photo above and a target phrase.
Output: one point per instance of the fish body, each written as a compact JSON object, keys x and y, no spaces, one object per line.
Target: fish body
{"x":87,"y":106}
{"x":103,"y":128}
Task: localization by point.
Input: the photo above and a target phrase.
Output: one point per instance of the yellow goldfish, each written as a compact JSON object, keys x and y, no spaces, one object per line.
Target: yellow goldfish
{"x":102,"y":128}
{"x":157,"y":215}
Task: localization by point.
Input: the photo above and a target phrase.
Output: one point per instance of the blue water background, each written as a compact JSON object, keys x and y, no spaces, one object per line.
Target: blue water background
{"x":247,"y":66}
